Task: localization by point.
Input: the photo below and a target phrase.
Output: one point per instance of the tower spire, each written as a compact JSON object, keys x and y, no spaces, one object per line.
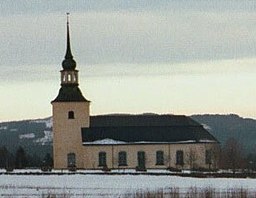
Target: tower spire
{"x":69,"y":91}
{"x":68,"y":52}
{"x":68,"y":63}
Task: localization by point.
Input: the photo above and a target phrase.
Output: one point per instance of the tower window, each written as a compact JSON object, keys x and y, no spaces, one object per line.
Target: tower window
{"x":69,"y":78}
{"x":71,"y":115}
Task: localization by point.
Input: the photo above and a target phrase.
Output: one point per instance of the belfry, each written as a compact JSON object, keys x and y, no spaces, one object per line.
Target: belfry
{"x":69,"y":90}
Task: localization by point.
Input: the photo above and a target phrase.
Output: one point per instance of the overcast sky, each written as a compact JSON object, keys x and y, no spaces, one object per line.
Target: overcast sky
{"x":179,"y":57}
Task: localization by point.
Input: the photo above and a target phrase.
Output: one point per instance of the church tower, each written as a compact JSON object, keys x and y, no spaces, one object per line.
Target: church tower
{"x":70,"y":113}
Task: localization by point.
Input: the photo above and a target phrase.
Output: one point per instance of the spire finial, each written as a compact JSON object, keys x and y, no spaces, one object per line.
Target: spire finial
{"x":68,"y":18}
{"x":68,"y":63}
{"x":68,"y":52}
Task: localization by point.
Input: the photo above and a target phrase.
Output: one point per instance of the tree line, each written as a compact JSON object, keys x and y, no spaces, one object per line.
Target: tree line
{"x":21,"y":159}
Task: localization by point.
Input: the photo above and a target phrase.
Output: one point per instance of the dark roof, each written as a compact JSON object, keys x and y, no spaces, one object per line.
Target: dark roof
{"x":70,"y":93}
{"x":141,"y":120}
{"x":145,"y":128}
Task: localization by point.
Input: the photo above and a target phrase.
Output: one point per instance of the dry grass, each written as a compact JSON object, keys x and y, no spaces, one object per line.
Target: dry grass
{"x":160,"y":193}
{"x":194,"y":193}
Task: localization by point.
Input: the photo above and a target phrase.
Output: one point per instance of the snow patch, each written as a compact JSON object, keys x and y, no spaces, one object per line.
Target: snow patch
{"x":186,"y":141}
{"x":3,"y":127}
{"x":108,"y":141}
{"x":27,"y":136}
{"x":48,"y":122}
{"x":46,"y":139}
{"x":207,"y":127}
{"x":207,"y":141}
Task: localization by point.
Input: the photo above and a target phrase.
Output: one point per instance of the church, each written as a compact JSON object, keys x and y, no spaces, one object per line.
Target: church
{"x":123,"y":141}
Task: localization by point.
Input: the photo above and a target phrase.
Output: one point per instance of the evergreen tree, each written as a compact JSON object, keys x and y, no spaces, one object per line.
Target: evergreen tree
{"x":35,"y":161}
{"x":21,"y":158}
{"x":3,"y":157}
{"x":48,"y":161}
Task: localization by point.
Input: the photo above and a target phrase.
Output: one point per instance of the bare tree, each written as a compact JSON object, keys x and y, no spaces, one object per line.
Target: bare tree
{"x":191,"y":158}
{"x":167,"y":160}
{"x":215,"y":151}
{"x":232,"y":155}
{"x":212,"y":156}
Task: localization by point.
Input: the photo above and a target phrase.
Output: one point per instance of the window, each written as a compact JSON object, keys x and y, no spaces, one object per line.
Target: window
{"x":141,"y":159}
{"x":71,"y":159}
{"x":69,"y":77}
{"x":208,"y":156}
{"x":179,"y":158}
{"x":159,"y":158}
{"x":75,"y":77}
{"x":71,"y":115}
{"x":122,"y":160}
{"x":102,"y":159}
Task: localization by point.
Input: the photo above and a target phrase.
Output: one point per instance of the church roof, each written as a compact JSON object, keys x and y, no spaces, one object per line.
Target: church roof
{"x":144,"y":129}
{"x":70,"y":93}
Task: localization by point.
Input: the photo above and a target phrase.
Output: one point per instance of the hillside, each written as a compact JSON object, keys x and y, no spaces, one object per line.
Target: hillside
{"x":224,"y":127}
{"x":36,"y":135}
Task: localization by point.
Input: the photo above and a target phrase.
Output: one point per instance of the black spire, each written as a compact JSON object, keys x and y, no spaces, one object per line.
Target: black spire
{"x":69,"y":91}
{"x":68,"y":63}
{"x":68,"y":52}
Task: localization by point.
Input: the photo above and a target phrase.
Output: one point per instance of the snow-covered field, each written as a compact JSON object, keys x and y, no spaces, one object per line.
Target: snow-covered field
{"x":79,"y":185}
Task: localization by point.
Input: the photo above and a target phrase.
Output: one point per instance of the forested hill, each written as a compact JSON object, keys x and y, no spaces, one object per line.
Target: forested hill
{"x":35,"y":136}
{"x":224,"y":127}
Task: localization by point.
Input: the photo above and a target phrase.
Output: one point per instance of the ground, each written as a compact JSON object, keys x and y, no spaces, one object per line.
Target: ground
{"x":87,"y":185}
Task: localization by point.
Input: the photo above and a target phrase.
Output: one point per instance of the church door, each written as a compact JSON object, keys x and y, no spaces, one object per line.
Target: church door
{"x":71,"y":160}
{"x":141,"y":159}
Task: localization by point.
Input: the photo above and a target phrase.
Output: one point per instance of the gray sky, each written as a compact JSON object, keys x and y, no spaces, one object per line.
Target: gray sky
{"x":180,"y":57}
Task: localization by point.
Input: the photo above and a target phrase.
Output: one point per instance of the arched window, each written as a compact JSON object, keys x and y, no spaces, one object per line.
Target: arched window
{"x":208,"y":157}
{"x":76,"y":78}
{"x":141,"y":159}
{"x":71,"y":159}
{"x":179,"y":158}
{"x":69,"y":77}
{"x":122,"y":159}
{"x":63,"y":78}
{"x":71,"y":115}
{"x":159,"y":158}
{"x":102,"y":159}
